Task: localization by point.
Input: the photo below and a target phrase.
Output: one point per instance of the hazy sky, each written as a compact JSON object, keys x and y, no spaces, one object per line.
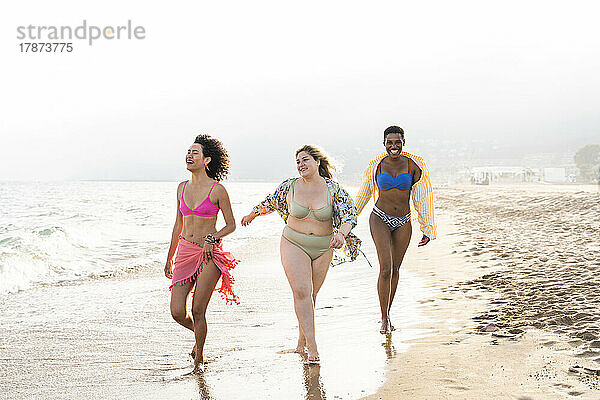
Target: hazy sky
{"x":266,"y":77}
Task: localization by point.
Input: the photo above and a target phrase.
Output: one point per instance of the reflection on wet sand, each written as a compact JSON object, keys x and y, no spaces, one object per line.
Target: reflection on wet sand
{"x":312,"y":382}
{"x":390,"y":350}
{"x":243,"y":344}
{"x":202,"y":386}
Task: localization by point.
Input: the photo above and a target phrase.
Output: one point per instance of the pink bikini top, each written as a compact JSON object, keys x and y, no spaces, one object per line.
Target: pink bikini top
{"x":205,"y":209}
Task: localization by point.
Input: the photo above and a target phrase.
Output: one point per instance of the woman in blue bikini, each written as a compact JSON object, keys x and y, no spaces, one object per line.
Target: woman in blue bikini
{"x":392,"y":179}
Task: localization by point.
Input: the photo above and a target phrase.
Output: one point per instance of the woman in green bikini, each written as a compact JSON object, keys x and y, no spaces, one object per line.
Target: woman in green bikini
{"x":319,"y":215}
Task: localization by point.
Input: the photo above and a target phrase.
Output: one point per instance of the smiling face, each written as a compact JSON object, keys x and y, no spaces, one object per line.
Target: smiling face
{"x":306,"y":165}
{"x":393,"y":144}
{"x":194,"y":158}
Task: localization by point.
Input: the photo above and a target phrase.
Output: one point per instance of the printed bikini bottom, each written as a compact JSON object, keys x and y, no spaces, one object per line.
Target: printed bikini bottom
{"x":391,"y":221}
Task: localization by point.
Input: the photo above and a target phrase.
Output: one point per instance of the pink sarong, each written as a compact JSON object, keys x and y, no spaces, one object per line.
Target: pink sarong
{"x":189,"y":261}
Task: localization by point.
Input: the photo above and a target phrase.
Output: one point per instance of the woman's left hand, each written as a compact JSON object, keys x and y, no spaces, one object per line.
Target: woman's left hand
{"x":337,"y":241}
{"x":207,"y":251}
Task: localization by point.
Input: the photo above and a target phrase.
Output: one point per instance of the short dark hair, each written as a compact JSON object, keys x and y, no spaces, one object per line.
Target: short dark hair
{"x":218,"y":167}
{"x":393,"y":129}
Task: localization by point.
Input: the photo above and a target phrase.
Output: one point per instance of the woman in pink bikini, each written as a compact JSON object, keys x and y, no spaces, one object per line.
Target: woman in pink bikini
{"x":200,"y":260}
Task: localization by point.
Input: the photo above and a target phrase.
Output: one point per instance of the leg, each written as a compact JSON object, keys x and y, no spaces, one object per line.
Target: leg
{"x":301,"y":341}
{"x":320,"y":267}
{"x":205,"y":285}
{"x":179,"y":295}
{"x":395,"y":278}
{"x":298,"y":270}
{"x":382,"y":237}
{"x":400,"y":242}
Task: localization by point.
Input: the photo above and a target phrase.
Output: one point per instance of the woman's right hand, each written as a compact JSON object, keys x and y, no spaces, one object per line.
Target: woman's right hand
{"x":248,"y":218}
{"x":169,"y":269}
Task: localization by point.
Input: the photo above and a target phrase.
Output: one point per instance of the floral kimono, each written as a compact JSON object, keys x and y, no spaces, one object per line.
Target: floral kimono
{"x":343,"y":212}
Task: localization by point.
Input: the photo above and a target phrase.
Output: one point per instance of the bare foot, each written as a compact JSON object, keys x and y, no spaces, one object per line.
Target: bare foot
{"x":198,"y":369}
{"x":313,"y":359}
{"x":313,"y":356}
{"x":301,"y":347}
{"x":385,"y":327}
{"x":199,"y":363}
{"x":390,"y":322}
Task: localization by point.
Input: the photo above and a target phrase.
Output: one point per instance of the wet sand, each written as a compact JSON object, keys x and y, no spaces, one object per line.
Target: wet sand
{"x":503,"y":305}
{"x":114,"y":338}
{"x":111,"y":335}
{"x":516,"y":309}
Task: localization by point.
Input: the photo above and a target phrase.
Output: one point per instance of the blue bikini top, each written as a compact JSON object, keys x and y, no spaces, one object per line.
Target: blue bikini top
{"x":386,"y":182}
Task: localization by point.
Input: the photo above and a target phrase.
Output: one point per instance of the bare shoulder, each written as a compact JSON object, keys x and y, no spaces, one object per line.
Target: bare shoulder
{"x":180,"y":187}
{"x":414,"y":165}
{"x":219,"y":190}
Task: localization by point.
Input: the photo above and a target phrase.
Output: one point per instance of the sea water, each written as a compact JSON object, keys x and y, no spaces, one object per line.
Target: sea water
{"x":84,"y":303}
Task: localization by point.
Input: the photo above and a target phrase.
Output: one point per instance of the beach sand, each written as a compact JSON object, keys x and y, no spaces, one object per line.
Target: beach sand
{"x":516,"y":305}
{"x":110,"y":335}
{"x":504,"y":305}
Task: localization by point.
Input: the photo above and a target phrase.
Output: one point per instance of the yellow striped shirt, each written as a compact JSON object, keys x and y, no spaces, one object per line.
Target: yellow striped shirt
{"x":421,"y":194}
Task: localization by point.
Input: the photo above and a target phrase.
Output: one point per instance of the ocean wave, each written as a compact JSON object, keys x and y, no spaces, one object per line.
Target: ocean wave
{"x":18,"y":273}
{"x":8,"y":228}
{"x":9,"y":241}
{"x":22,"y":272}
{"x":50,"y":231}
{"x":54,"y":254}
{"x":96,"y":230}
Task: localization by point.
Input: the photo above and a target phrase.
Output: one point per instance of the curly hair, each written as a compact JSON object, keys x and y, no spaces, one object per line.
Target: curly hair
{"x":393,"y":129}
{"x":325,"y":167}
{"x":218,"y":167}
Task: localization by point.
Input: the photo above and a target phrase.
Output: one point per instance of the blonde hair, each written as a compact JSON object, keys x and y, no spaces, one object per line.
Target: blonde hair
{"x":325,"y":167}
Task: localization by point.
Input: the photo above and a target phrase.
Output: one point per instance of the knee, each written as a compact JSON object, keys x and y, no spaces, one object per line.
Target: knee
{"x":198,"y":311}
{"x":385,"y":271}
{"x":178,"y":313}
{"x":396,"y":269}
{"x":302,"y":292}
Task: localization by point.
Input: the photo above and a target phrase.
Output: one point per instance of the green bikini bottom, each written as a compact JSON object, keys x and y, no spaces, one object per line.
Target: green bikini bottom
{"x":313,"y":246}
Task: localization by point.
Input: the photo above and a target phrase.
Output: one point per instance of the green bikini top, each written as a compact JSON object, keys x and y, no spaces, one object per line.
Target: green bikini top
{"x":324,"y":213}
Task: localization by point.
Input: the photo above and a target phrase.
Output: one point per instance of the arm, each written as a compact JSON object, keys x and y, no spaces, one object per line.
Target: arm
{"x":273,"y":201}
{"x":365,"y":192}
{"x":422,"y":197}
{"x":246,"y":219}
{"x":177,"y":227}
{"x":345,"y":228}
{"x":348,"y":217}
{"x":225,"y":205}
{"x":266,"y":206}
{"x":222,"y":201}
{"x":337,"y":241}
{"x":416,"y":171}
